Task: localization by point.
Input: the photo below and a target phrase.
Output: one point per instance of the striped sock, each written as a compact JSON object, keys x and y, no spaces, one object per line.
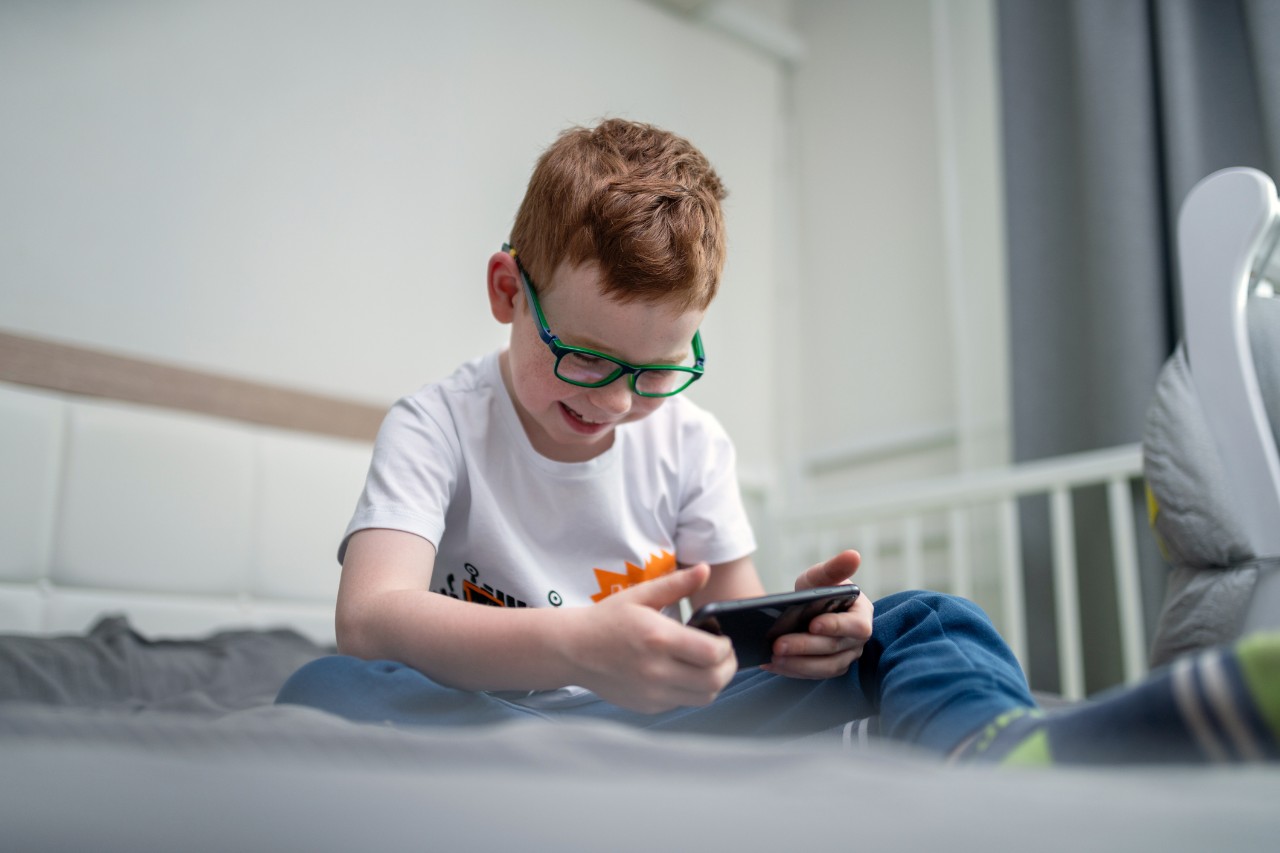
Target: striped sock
{"x":1220,"y":705}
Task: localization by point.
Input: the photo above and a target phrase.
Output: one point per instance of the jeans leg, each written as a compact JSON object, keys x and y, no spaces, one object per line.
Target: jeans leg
{"x":755,"y":703}
{"x":938,"y":670}
{"x":935,"y":671}
{"x":383,"y":691}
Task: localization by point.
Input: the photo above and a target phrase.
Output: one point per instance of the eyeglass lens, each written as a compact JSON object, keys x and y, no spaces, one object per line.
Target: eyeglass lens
{"x":589,"y":370}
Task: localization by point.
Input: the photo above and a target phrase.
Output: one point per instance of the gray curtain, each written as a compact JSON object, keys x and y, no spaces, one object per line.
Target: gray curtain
{"x":1112,"y":111}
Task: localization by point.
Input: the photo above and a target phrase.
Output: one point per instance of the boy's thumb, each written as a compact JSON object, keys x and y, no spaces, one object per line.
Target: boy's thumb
{"x":672,"y":587}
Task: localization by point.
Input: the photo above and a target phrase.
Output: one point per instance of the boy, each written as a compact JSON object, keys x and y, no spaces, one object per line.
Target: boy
{"x":565,"y":480}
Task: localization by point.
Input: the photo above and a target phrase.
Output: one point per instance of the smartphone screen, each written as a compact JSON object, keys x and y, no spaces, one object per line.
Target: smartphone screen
{"x":752,"y":624}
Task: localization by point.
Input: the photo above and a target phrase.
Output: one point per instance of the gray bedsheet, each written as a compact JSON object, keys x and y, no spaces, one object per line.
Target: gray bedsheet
{"x":203,"y":775}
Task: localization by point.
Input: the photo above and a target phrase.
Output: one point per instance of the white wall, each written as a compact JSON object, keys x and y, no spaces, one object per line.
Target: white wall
{"x":901,"y":251}
{"x":306,"y":192}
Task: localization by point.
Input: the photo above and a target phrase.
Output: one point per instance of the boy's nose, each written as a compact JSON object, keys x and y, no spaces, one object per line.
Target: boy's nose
{"x":614,"y":398}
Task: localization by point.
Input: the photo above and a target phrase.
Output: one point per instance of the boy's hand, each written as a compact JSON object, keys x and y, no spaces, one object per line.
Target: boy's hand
{"x":631,"y":655}
{"x":834,"y":640}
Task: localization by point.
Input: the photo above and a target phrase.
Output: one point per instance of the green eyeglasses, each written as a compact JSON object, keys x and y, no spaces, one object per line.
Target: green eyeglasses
{"x":588,"y":368}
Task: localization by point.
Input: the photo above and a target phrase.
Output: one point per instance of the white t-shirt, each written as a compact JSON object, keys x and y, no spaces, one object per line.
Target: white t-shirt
{"x":512,"y":528}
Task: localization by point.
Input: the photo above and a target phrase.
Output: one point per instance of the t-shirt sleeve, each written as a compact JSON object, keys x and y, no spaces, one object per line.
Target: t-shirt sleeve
{"x":713,"y":526}
{"x":412,"y":476}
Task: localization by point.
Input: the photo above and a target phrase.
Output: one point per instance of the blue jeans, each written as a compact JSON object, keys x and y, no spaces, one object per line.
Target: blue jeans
{"x":934,"y":671}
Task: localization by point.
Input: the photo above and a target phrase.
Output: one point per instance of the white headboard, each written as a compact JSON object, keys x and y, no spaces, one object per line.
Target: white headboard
{"x":184,"y":521}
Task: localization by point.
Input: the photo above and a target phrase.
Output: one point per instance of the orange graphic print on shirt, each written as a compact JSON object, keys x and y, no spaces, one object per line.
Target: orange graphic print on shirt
{"x":655,"y":567}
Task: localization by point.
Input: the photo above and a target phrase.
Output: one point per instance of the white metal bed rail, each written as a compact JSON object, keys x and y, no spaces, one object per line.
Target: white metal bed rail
{"x":894,"y":521}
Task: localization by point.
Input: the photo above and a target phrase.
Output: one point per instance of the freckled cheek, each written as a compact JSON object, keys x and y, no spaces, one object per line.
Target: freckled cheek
{"x":537,"y":374}
{"x":535,"y":390}
{"x":546,"y":388}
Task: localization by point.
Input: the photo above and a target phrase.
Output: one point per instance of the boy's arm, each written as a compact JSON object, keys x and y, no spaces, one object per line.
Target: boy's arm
{"x":623,"y":648}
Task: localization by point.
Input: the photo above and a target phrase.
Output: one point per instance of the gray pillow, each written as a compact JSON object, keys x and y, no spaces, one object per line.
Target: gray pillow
{"x":113,"y":666}
{"x":1192,"y":507}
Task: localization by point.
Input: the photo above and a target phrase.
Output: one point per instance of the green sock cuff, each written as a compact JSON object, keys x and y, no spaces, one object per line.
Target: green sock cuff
{"x":1259,"y":659}
{"x":990,"y":735}
{"x":1033,"y":751}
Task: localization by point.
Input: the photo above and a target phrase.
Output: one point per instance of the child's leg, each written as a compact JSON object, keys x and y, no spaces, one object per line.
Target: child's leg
{"x":1218,"y":705}
{"x":755,"y":703}
{"x":383,"y":691}
{"x":934,"y":670}
{"x":937,"y":669}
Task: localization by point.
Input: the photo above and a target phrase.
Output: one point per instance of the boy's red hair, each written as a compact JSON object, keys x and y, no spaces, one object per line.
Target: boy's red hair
{"x":640,"y":201}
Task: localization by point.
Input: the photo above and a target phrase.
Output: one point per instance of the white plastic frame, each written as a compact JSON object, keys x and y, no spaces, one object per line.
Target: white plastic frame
{"x":1227,"y":234}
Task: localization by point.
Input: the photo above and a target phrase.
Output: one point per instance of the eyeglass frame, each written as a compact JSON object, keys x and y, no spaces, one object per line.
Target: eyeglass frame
{"x":560,"y":349}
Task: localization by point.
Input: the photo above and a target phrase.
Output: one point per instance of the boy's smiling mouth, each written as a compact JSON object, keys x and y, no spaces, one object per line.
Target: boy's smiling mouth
{"x":580,"y":423}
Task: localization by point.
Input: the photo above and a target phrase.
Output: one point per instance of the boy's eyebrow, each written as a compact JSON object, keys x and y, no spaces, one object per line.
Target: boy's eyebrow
{"x":588,"y":341}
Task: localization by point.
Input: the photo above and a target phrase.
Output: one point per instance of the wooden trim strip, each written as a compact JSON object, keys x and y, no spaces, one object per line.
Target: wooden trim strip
{"x":95,"y":373}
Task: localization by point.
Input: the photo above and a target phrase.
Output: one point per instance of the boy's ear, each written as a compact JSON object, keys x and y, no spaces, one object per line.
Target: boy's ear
{"x":504,"y":285}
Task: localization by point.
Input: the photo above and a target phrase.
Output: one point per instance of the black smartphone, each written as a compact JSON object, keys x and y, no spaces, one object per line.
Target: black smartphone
{"x":754,"y":623}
